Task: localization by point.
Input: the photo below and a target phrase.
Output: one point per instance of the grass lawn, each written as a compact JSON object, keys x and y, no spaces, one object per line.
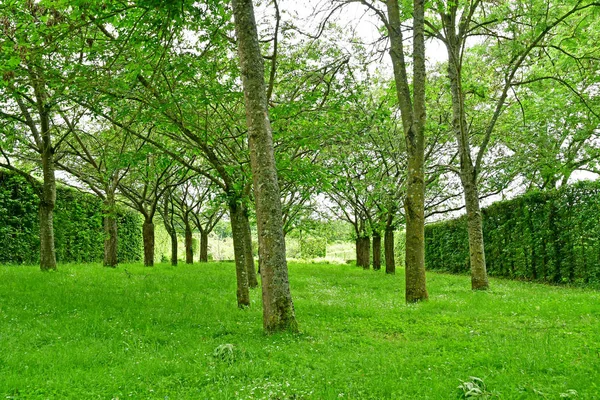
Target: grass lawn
{"x":87,"y":332}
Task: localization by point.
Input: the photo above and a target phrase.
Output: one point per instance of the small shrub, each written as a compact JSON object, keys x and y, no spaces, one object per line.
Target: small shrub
{"x":224,"y":352}
{"x":473,"y":388}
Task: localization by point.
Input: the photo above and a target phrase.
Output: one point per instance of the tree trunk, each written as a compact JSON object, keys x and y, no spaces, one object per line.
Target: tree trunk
{"x":479,"y":278}
{"x":248,"y":254}
{"x":237,"y":229}
{"x":174,"y":248}
{"x":203,"y":247}
{"x":110,"y":231}
{"x":413,"y":122}
{"x":148,"y":237}
{"x":47,"y":201}
{"x":189,"y":251}
{"x":364,"y":252}
{"x":468,"y":172}
{"x":47,"y":253}
{"x":376,"y":251}
{"x":278,"y":308}
{"x":390,"y":260}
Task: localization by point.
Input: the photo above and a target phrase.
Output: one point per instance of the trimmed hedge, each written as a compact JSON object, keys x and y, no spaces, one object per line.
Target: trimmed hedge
{"x":541,"y":236}
{"x":78,"y":226}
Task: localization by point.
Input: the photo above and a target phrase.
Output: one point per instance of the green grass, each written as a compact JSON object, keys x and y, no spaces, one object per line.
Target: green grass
{"x":88,"y":332}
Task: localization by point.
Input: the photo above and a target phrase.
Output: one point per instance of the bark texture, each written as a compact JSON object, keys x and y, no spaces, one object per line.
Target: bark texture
{"x":479,"y":278}
{"x":110,"y":233}
{"x":203,"y":247}
{"x":148,"y":238}
{"x":468,"y":171}
{"x":236,"y":215}
{"x":363,"y":252}
{"x":47,"y":199}
{"x":413,"y":121}
{"x":390,"y":260}
{"x":278,"y":308}
{"x":170,"y":227}
{"x":189,"y":251}
{"x":376,"y":251}
{"x":248,"y":254}
{"x":174,"y":249}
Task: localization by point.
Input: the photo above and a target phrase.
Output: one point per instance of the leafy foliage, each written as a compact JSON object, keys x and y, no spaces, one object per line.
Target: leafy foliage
{"x":543,"y":236}
{"x":78,"y":225}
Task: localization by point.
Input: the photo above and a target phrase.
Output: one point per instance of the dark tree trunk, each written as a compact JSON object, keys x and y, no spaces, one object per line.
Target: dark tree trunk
{"x":376,"y":251}
{"x":170,"y":228}
{"x":248,"y":254}
{"x":174,"y":249}
{"x":278,"y":308}
{"x":47,"y":201}
{"x":413,"y":122}
{"x":203,"y":247}
{"x":110,"y":232}
{"x":189,"y":251}
{"x":364,"y":252}
{"x":236,"y":215}
{"x":148,"y":237}
{"x":390,"y":260}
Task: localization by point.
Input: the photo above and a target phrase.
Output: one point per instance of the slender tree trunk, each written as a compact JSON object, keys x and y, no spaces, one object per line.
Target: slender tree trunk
{"x":47,"y":200}
{"x":468,"y":173}
{"x":189,"y":251}
{"x":248,"y":255}
{"x":376,"y":251}
{"x":203,"y":247}
{"x":148,"y":237}
{"x":390,"y":260}
{"x":479,"y":278}
{"x":237,"y":229}
{"x":413,"y":121}
{"x":357,"y":252}
{"x":110,"y":231}
{"x":170,"y":227}
{"x":278,"y":308}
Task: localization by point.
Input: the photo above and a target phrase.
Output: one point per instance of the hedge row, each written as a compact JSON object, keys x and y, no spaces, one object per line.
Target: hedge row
{"x":78,"y":225}
{"x":542,"y":236}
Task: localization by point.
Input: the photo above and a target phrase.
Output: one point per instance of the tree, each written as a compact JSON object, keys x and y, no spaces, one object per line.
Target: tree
{"x":278,"y":308}
{"x":35,"y":68}
{"x":514,"y":31}
{"x":412,"y":110}
{"x":149,"y":177}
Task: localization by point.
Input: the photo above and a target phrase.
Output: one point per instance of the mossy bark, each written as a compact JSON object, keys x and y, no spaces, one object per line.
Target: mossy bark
{"x":412,"y":110}
{"x":278,"y":308}
{"x":468,"y":171}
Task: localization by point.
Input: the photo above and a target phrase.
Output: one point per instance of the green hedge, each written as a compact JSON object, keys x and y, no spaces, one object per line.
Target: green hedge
{"x":78,"y":227}
{"x":542,"y":236}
